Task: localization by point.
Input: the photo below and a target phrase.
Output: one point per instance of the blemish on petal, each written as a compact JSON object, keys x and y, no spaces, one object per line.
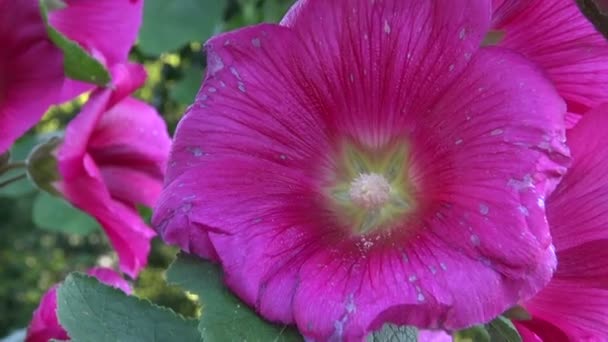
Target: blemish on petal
{"x":496,"y":132}
{"x":523,"y":210}
{"x":241,"y":87}
{"x":458,"y":142}
{"x":483,"y":209}
{"x":451,"y":67}
{"x":196,"y":151}
{"x":420,"y":297}
{"x":475,"y":240}
{"x":235,"y":72}
{"x":443,"y":266}
{"x":541,"y":202}
{"x":462,"y":34}
{"x":256,"y":42}
{"x":212,"y":89}
{"x":387,"y":27}
{"x":412,"y":278}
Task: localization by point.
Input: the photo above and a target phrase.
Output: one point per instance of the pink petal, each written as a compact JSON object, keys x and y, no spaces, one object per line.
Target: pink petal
{"x":129,"y":134}
{"x":567,"y":309}
{"x":579,"y":206}
{"x":27,"y":86}
{"x":106,"y":28}
{"x":45,"y":325}
{"x":526,"y":334}
{"x":250,"y":158}
{"x":107,"y":169}
{"x":110,"y":277}
{"x":127,"y":232}
{"x":576,"y":301}
{"x":556,"y":35}
{"x":433,"y":336}
{"x":133,"y":186}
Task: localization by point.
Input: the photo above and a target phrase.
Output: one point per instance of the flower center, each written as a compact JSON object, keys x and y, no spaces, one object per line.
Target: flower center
{"x":370,"y":191}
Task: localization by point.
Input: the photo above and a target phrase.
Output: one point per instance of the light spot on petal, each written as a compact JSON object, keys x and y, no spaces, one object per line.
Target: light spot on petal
{"x":496,"y":132}
{"x":523,"y":210}
{"x":475,"y":240}
{"x":483,"y":209}
{"x":541,"y":202}
{"x":196,"y":151}
{"x":462,"y":34}
{"x":387,"y":27}
{"x":256,"y":42}
{"x":451,"y":67}
{"x":241,"y":87}
{"x":458,"y":142}
{"x":412,"y":278}
{"x":420,"y":297}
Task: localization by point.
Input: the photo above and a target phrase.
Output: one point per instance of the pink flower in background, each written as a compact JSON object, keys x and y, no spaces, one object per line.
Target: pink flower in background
{"x":27,"y":86}
{"x":574,"y":306}
{"x":366,"y":162}
{"x":106,"y":29}
{"x":557,"y":36}
{"x":112,"y":158}
{"x":45,"y":325}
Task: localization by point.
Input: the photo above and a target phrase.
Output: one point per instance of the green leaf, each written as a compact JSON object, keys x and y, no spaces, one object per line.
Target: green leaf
{"x":502,"y":330}
{"x":224,"y":317}
{"x":55,"y":214}
{"x":394,"y":333}
{"x":93,"y":312}
{"x":185,"y":89}
{"x":477,"y":333}
{"x":169,"y":25}
{"x":77,"y":63}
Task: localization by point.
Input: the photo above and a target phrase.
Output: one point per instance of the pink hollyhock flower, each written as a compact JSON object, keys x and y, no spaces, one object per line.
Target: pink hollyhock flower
{"x":365,"y":162}
{"x":45,"y":325}
{"x":106,"y":29}
{"x":574,"y":306}
{"x":112,"y":158}
{"x":557,"y":36}
{"x":27,"y":85}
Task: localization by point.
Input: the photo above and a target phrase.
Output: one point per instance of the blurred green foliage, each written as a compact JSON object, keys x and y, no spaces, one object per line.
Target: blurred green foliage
{"x":39,"y":251}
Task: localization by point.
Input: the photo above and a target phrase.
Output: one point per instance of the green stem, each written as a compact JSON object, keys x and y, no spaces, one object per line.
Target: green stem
{"x":12,"y":180}
{"x":12,"y":166}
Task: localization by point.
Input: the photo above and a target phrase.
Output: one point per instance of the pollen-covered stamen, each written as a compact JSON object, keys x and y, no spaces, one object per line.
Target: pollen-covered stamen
{"x":370,"y":190}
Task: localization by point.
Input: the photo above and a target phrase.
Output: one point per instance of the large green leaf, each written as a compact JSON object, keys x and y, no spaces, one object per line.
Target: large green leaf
{"x":224,"y":317}
{"x":394,"y":333}
{"x":169,"y":25}
{"x":77,"y":63}
{"x":184,"y":91}
{"x":93,"y":312}
{"x":54,"y":214}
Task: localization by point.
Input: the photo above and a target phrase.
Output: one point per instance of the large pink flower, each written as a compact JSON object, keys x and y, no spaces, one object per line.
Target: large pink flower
{"x":45,"y":325}
{"x":112,"y":158}
{"x":106,"y":29}
{"x":574,"y":306}
{"x":31,"y":69}
{"x":366,"y":162}
{"x":557,"y":36}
